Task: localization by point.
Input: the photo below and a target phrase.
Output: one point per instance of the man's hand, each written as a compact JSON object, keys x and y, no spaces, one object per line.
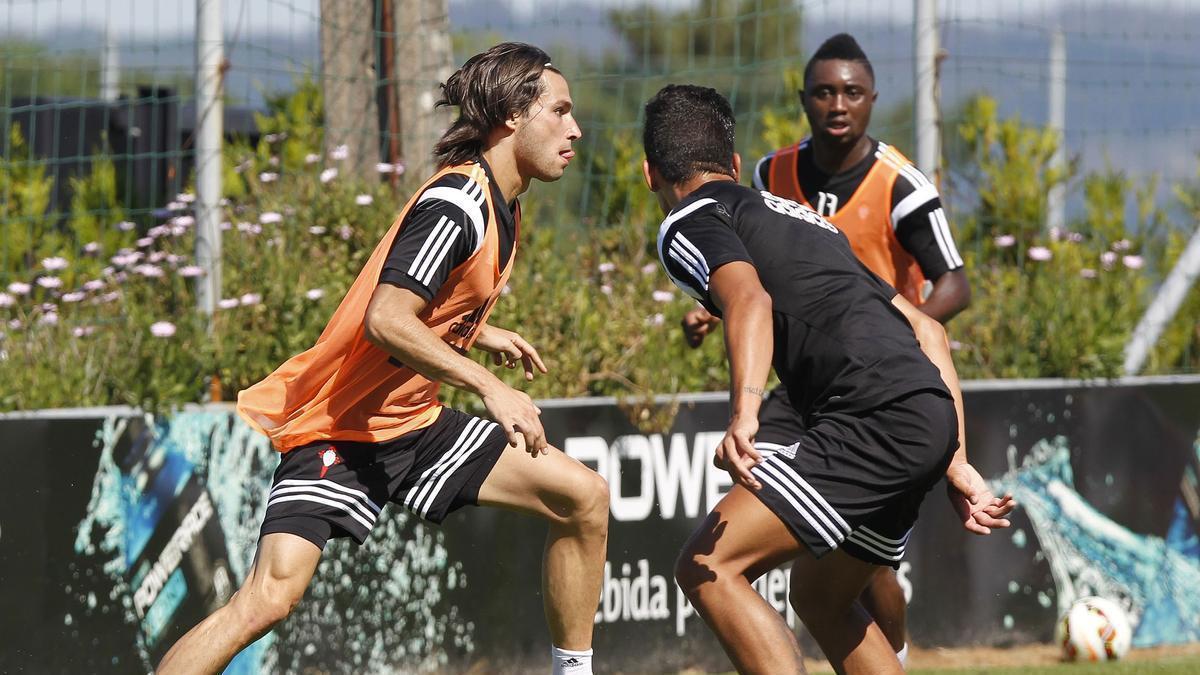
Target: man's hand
{"x":697,"y":323}
{"x":516,"y":413}
{"x":978,"y":509}
{"x":507,"y":348}
{"x":736,"y":453}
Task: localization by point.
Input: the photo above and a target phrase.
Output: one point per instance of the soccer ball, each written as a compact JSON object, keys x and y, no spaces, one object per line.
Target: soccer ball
{"x":1093,"y":629}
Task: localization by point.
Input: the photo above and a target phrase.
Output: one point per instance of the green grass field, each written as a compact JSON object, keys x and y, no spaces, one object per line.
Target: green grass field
{"x":1036,"y":659}
{"x":1169,"y":666}
{"x":1041,"y":659}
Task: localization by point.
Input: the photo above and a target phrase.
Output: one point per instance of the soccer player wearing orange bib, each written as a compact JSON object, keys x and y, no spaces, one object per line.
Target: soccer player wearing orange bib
{"x":893,"y":217}
{"x":357,"y":419}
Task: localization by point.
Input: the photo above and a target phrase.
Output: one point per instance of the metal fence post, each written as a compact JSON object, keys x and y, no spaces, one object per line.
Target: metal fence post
{"x":210,"y":65}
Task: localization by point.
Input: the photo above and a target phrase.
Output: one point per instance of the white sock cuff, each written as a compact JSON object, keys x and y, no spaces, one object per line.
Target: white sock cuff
{"x":559,"y":651}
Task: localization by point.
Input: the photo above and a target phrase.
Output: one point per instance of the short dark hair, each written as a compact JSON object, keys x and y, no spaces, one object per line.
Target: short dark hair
{"x":490,"y":86}
{"x":688,"y":130}
{"x":840,"y":47}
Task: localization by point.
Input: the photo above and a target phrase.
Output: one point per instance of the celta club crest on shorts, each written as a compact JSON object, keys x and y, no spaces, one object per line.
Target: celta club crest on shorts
{"x":329,"y":457}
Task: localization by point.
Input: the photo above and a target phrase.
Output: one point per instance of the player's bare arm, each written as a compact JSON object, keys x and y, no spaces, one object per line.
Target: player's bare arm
{"x":392,"y":324}
{"x":749,"y":340}
{"x":950,"y":295}
{"x":508,"y":348}
{"x":979,"y":510}
{"x":933,"y":341}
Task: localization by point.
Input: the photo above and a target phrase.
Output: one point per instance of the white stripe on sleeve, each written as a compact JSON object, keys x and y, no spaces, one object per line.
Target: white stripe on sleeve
{"x":431,"y":246}
{"x":919,"y":197}
{"x":941,"y":232}
{"x":914,"y":176}
{"x":697,"y":269}
{"x":690,"y":266}
{"x":430,"y":240}
{"x":439,"y":253}
{"x":464,"y":201}
{"x":691,"y":248}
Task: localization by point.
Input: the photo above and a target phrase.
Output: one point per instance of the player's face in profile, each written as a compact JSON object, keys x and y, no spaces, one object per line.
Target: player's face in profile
{"x":837,"y":101}
{"x":546,"y":130}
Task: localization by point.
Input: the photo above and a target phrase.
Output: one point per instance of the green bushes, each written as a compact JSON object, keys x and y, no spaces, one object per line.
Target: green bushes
{"x":1054,"y":303}
{"x":101,"y":314}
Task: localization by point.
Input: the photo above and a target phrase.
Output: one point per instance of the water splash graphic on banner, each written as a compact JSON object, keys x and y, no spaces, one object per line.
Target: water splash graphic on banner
{"x":1089,"y":554}
{"x":175,"y":521}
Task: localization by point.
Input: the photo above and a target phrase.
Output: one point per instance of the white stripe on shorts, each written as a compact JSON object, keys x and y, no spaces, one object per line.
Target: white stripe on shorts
{"x":873,"y":547}
{"x":462,"y":457}
{"x":884,"y":547}
{"x":423,"y":494}
{"x":821,"y":504}
{"x":326,"y":485}
{"x":767,"y":449}
{"x":770,"y":480}
{"x":327,"y":502}
{"x":897,"y":544}
{"x":833,"y":531}
{"x":320,"y":492}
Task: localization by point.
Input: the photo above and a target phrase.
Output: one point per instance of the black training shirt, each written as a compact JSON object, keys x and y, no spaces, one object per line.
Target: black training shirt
{"x":840,"y":344}
{"x":443,"y":230}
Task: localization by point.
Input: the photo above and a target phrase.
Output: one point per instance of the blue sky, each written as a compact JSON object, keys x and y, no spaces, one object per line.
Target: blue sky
{"x":1132,"y":69}
{"x":145,"y":18}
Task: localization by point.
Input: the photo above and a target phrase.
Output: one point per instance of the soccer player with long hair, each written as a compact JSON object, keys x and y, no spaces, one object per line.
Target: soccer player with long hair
{"x":357,"y":418}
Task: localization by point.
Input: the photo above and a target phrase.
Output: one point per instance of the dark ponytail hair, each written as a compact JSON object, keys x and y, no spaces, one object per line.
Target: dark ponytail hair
{"x":489,"y":88}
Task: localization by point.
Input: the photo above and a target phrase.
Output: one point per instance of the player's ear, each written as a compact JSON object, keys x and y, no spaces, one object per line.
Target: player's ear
{"x":650,"y":175}
{"x":737,"y":166}
{"x":511,"y":121}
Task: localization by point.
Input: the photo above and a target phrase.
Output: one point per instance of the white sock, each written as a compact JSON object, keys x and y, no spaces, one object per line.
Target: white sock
{"x":903,"y":656}
{"x":567,"y":662}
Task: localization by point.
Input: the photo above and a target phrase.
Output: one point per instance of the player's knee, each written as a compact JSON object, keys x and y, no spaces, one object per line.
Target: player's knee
{"x":274,"y":611}
{"x":691,"y":574}
{"x":590,"y":511}
{"x":686,"y":573}
{"x":269,"y":604}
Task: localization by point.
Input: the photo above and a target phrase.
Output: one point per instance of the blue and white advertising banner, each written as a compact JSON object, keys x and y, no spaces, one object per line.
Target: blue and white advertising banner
{"x":119,"y":531}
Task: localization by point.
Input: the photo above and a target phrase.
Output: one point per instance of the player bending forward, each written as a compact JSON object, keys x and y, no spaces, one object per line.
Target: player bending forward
{"x":357,"y":417}
{"x":870,"y":374}
{"x":892,"y":216}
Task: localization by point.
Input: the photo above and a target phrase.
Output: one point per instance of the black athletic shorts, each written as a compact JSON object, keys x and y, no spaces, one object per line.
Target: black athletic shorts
{"x":779,"y":424}
{"x":856,"y":481}
{"x":338,"y":489}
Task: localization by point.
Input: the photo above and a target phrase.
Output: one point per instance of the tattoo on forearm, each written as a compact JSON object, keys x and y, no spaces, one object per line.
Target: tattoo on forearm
{"x":754,"y":390}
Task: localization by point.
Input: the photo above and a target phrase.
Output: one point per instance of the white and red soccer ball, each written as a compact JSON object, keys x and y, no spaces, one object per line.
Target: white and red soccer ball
{"x":1093,"y":629}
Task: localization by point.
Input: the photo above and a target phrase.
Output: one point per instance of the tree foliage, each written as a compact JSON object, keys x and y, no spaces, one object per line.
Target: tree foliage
{"x":122,"y":326}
